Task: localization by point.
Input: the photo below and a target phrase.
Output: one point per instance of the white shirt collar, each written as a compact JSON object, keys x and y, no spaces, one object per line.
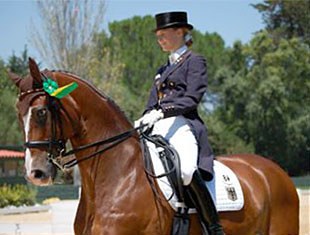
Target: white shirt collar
{"x":174,"y":56}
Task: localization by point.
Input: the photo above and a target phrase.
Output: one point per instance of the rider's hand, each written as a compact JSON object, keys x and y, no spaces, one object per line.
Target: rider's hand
{"x":149,"y":119}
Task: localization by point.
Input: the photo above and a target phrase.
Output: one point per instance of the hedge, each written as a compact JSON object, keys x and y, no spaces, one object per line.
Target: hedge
{"x":17,"y":195}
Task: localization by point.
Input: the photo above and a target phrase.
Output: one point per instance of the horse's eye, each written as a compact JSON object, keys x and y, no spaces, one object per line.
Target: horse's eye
{"x":41,"y":112}
{"x":41,"y":115}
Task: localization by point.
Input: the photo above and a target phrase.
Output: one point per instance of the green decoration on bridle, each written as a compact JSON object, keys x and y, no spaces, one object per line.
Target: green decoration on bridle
{"x":51,"y":87}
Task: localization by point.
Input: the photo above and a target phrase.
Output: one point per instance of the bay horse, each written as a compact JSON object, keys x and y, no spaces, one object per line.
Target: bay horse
{"x":117,"y":197}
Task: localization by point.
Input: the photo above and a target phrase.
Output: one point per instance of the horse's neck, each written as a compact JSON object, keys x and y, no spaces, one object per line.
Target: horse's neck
{"x":108,"y":169}
{"x":113,"y":171}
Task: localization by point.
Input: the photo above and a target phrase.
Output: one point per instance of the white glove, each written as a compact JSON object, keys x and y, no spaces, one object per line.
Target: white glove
{"x":150,"y":118}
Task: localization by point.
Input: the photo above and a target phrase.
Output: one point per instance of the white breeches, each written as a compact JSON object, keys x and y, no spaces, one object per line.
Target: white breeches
{"x":178,"y":133}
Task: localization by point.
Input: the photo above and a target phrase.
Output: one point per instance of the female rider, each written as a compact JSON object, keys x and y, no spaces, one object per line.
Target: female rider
{"x":171,"y":110}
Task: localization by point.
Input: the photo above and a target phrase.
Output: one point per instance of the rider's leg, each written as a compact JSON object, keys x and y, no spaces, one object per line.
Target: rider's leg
{"x":202,"y":200}
{"x":180,"y":136}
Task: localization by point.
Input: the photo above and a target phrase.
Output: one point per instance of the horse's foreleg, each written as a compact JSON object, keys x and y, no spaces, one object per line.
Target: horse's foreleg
{"x":83,"y":220}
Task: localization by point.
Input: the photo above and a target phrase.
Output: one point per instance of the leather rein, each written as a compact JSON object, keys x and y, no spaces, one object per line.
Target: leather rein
{"x":56,"y":148}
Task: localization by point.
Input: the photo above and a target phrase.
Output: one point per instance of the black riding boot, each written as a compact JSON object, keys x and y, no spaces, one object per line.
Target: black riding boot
{"x":201,"y":198}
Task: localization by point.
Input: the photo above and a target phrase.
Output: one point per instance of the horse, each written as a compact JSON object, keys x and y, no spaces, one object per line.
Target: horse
{"x":117,"y":196}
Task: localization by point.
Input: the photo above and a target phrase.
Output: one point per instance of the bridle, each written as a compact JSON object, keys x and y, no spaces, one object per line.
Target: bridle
{"x":56,"y":146}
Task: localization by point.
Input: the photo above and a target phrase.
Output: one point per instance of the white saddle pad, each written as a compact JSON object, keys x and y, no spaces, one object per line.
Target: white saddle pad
{"x":225,"y":188}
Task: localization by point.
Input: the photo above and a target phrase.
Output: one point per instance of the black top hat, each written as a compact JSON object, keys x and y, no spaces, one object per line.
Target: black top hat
{"x":171,"y":20}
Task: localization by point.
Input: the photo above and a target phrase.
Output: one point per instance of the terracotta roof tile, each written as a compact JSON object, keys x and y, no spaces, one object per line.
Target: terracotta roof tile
{"x":11,"y":154}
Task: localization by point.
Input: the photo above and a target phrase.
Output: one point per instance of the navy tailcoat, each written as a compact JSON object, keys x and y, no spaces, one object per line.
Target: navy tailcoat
{"x":177,"y":90}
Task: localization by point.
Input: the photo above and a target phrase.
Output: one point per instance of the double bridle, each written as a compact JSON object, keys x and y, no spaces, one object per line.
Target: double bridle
{"x":56,"y":147}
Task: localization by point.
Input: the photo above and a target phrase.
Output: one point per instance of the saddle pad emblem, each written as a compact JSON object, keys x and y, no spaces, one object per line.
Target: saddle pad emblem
{"x":232,"y":195}
{"x":231,"y":191}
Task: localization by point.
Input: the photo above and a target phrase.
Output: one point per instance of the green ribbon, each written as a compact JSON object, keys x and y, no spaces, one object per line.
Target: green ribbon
{"x":51,"y":87}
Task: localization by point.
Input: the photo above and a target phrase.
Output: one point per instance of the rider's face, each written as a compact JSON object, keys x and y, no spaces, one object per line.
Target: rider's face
{"x":170,"y":39}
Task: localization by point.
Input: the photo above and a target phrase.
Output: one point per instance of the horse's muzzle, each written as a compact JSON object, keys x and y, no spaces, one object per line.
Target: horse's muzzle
{"x":42,"y":177}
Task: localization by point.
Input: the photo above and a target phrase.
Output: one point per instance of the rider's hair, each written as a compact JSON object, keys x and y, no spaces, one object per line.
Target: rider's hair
{"x":187,"y":37}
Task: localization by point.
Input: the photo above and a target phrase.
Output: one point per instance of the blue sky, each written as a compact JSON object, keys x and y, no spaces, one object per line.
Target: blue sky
{"x":232,"y":19}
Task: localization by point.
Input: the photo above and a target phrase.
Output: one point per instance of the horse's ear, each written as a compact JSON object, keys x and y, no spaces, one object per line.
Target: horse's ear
{"x":15,"y":78}
{"x":35,"y":73}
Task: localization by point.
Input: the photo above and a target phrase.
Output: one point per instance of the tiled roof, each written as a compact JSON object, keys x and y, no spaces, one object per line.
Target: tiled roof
{"x":11,"y":154}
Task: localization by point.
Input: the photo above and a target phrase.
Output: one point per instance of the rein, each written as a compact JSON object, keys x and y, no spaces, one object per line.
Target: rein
{"x":113,"y":141}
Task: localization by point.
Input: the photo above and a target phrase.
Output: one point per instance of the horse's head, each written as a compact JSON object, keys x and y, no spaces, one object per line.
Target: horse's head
{"x":39,"y":115}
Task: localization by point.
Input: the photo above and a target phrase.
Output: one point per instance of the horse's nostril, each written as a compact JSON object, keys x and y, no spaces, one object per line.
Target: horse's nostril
{"x":38,"y":174}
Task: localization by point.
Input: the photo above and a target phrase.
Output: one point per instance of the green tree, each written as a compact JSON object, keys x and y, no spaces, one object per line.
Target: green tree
{"x":106,"y":71}
{"x":267,"y":103}
{"x":10,"y":134}
{"x":19,"y":65}
{"x":286,"y":19}
{"x":223,"y":138}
